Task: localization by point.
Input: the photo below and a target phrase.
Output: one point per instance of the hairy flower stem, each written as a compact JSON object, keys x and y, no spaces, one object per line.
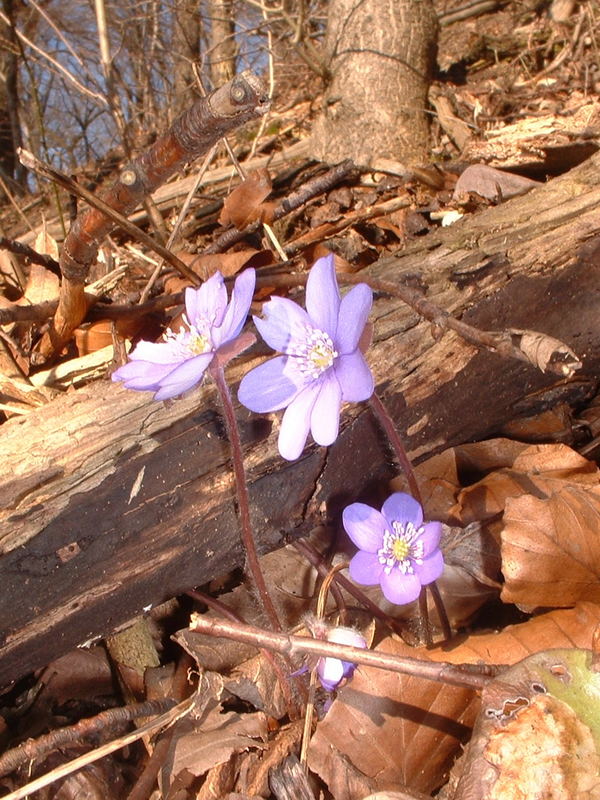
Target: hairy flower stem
{"x":315,"y":558}
{"x":239,"y":472}
{"x":441,"y":610}
{"x":388,"y":426}
{"x":424,"y":611}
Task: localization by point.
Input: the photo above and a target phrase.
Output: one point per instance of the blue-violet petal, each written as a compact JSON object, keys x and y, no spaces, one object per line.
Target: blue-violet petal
{"x":323,"y":296}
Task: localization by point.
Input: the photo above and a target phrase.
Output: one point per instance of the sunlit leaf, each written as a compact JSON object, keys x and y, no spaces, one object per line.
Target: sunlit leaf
{"x":551,"y":547}
{"x":413,"y":727}
{"x":538,"y":734}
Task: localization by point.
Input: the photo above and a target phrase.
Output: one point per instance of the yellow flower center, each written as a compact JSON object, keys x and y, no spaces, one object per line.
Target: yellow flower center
{"x":315,"y":353}
{"x":400,"y":549}
{"x":188,"y":342}
{"x":322,"y":355}
{"x":198,"y":344}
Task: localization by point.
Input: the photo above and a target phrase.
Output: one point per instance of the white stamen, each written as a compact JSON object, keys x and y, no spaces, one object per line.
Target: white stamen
{"x":190,"y":341}
{"x":314,"y":354}
{"x":401,"y":547}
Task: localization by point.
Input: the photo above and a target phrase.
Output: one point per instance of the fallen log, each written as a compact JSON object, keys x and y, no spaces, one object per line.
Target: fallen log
{"x":111,"y":502}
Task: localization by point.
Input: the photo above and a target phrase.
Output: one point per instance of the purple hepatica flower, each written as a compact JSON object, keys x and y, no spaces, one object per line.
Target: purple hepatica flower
{"x":321,"y":366}
{"x":332,"y":671}
{"x":173,"y":366}
{"x":396,"y":550}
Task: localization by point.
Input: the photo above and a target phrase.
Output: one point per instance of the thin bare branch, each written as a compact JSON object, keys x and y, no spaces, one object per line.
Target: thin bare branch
{"x":97,"y":98}
{"x":33,"y":163}
{"x":165,"y":720}
{"x":470,"y":676}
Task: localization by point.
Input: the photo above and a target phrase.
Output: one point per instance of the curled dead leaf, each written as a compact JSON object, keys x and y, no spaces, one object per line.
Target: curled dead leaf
{"x":492,"y":184}
{"x":537,"y":734}
{"x":510,"y":469}
{"x":42,"y":285}
{"x":545,"y":352}
{"x":208,"y":736}
{"x":46,"y":244}
{"x":245,"y":204}
{"x":573,"y":627}
{"x":228,"y":264}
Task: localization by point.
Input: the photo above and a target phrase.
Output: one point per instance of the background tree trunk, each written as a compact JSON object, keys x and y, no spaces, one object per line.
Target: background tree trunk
{"x":187,"y":29}
{"x":381,"y":55}
{"x":222,"y":42}
{"x":10,"y":126}
{"x":122,"y":501}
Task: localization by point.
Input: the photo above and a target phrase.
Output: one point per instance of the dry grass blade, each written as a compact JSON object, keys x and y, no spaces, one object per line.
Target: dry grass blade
{"x":164,"y":721}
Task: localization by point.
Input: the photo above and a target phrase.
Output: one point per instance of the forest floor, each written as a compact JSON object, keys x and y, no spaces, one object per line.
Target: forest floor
{"x":515,"y":103}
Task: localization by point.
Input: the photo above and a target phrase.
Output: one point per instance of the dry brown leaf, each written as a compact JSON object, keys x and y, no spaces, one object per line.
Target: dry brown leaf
{"x":438,"y":483}
{"x":175,"y":283}
{"x":94,"y":782}
{"x":208,"y":737}
{"x":344,"y":780}
{"x":553,"y":425}
{"x":212,"y":653}
{"x":402,"y":223}
{"x":413,"y":727}
{"x":219,"y":781}
{"x":42,"y":285}
{"x":537,"y":735}
{"x":517,"y":470}
{"x":362,"y":718}
{"x":80,"y":673}
{"x":45,"y":244}
{"x":256,"y":682}
{"x":218,"y":736}
{"x":326,"y":212}
{"x":563,"y":628}
{"x":285,"y":742}
{"x":551,"y":548}
{"x":472,"y":571}
{"x":502,"y":472}
{"x":322,"y":250}
{"x":398,"y":796}
{"x":93,"y":336}
{"x":478,"y":458}
{"x":536,"y":751}
{"x":475,"y":550}
{"x":229,"y":264}
{"x":441,"y":477}
{"x":492,"y":184}
{"x":245,"y":205}
{"x":12,"y":272}
{"x":542,"y":350}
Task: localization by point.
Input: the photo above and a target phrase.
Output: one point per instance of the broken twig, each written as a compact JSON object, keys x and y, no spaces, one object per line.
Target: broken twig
{"x":468,"y":676}
{"x":191,"y":135}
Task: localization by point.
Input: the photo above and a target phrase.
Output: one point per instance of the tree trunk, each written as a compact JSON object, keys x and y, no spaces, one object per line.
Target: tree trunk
{"x":381,"y":55}
{"x":111,"y":501}
{"x":10,"y":125}
{"x":187,"y":29}
{"x":222,"y":42}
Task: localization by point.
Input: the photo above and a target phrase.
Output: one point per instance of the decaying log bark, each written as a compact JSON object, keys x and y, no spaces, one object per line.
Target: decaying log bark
{"x":112,"y":501}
